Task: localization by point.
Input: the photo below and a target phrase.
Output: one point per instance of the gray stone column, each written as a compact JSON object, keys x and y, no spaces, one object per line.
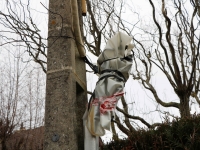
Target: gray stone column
{"x":66,"y":82}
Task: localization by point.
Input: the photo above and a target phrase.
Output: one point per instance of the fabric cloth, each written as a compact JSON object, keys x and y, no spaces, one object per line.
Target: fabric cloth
{"x":114,"y":65}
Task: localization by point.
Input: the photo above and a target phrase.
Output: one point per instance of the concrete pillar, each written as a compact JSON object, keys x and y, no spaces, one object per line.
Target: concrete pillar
{"x":66,"y":82}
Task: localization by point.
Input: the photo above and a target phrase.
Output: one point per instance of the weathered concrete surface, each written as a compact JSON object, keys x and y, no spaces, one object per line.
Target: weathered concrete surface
{"x":66,"y":83}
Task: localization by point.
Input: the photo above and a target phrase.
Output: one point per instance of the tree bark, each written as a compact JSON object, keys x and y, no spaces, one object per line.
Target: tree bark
{"x":3,"y":144}
{"x":184,"y":107}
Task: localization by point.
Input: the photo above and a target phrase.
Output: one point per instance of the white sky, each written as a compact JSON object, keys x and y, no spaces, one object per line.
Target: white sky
{"x":143,"y":102}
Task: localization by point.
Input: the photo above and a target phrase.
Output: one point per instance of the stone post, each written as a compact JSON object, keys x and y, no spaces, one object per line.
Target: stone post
{"x":65,"y":84}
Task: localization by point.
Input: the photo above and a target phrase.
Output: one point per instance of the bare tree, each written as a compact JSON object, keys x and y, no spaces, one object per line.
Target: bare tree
{"x":170,"y":46}
{"x":13,"y":97}
{"x":34,"y":98}
{"x":97,"y":30}
{"x":16,"y":19}
{"x":11,"y":85}
{"x":99,"y":27}
{"x":196,"y":4}
{"x":95,"y":25}
{"x":176,"y":54}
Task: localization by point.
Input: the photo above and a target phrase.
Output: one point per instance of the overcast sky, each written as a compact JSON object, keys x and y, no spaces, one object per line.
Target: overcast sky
{"x":140,"y":100}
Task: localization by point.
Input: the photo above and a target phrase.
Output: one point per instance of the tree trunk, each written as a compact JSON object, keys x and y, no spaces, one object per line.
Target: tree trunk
{"x":3,"y":144}
{"x":184,"y":106}
{"x":115,"y":135}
